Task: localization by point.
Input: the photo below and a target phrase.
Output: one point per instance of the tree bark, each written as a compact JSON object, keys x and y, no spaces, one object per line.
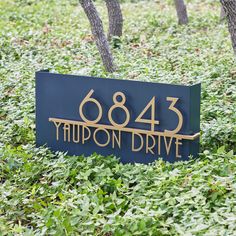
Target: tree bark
{"x":98,"y":33}
{"x":115,"y":18}
{"x":181,"y":12}
{"x":222,"y":13}
{"x":230,"y":11}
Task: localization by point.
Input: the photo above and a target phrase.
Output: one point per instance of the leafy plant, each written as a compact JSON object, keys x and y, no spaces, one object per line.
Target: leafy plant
{"x":45,"y":193}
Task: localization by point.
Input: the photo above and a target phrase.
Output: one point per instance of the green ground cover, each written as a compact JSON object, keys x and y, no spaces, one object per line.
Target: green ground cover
{"x":44,"y":193}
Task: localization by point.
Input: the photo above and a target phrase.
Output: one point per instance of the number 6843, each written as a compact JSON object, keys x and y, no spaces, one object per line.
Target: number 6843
{"x":119,"y":100}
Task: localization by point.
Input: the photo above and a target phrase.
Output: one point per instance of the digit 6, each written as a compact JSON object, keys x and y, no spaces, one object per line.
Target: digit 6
{"x":89,"y":99}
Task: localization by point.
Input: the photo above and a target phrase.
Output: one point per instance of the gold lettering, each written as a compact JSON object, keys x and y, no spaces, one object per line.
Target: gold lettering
{"x":95,"y":138}
{"x":89,"y":99}
{"x":152,"y":121}
{"x":159,"y":145}
{"x":57,"y":129}
{"x":127,"y":129}
{"x":76,"y":133}
{"x":149,"y":148}
{"x":168,"y":145}
{"x":178,"y":113}
{"x":83,"y":133}
{"x":120,"y":105}
{"x":141,"y":142}
{"x":66,"y":132}
{"x":177,"y":143}
{"x":115,"y":138}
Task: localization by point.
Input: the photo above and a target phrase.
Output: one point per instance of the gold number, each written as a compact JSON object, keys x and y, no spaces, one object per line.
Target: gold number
{"x":179,"y":114}
{"x":89,"y":99}
{"x":120,"y":105}
{"x":152,"y":121}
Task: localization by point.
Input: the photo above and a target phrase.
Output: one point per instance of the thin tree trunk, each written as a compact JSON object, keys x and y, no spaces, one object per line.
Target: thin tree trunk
{"x":230,"y":11}
{"x":222,"y":13}
{"x":98,"y":33}
{"x":115,"y":18}
{"x":181,"y":12}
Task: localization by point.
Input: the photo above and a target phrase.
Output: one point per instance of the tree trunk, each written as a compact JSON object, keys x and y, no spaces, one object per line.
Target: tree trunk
{"x":98,"y":33}
{"x":222,"y":13}
{"x":230,"y":11}
{"x":115,"y":18}
{"x":181,"y":12}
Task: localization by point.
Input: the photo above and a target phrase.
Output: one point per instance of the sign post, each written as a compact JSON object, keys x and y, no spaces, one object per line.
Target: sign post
{"x":135,"y":121}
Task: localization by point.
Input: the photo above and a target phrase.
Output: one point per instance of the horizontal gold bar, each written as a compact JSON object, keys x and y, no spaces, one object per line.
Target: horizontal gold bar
{"x":125,"y":129}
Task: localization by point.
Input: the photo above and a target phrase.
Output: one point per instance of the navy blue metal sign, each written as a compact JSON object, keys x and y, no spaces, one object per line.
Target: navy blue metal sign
{"x":135,"y":121}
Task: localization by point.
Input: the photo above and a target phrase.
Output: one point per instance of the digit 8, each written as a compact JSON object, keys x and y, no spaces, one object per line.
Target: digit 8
{"x":118,"y":104}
